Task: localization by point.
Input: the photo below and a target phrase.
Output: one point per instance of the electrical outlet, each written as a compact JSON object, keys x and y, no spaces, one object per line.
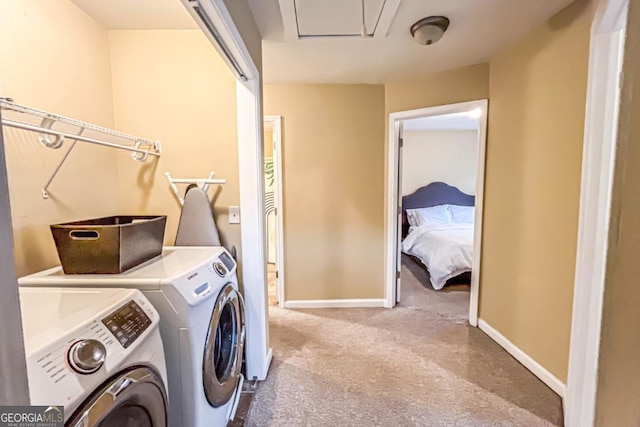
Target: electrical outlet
{"x":234,"y":214}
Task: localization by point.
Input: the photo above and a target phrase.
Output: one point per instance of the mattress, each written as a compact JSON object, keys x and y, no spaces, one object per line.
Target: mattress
{"x":445,"y":250}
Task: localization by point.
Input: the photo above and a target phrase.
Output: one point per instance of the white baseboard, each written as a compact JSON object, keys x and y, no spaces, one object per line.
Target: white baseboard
{"x":335,"y":303}
{"x":536,"y":369}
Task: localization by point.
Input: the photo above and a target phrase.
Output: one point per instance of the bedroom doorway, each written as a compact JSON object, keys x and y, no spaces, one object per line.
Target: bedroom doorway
{"x":273,"y":209}
{"x":436,"y":181}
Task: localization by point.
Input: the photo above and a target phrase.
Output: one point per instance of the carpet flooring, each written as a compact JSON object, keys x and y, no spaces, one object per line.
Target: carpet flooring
{"x":419,"y":364}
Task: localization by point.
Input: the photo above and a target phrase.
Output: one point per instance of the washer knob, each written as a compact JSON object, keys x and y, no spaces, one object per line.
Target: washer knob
{"x":87,"y":356}
{"x":220,"y":269}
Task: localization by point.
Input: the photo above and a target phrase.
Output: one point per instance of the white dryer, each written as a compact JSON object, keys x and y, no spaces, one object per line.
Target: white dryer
{"x":195,"y":290}
{"x":98,"y":353}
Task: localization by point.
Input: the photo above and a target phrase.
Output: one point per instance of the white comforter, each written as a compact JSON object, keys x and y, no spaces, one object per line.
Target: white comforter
{"x":446,"y":250}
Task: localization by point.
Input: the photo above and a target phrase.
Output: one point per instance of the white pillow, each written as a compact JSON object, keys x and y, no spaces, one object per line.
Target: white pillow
{"x":462,"y":214}
{"x":412,"y":218}
{"x":436,"y":215}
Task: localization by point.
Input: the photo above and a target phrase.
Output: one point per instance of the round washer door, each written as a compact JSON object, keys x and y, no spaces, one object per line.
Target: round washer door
{"x":133,"y":398}
{"x":224,"y":347}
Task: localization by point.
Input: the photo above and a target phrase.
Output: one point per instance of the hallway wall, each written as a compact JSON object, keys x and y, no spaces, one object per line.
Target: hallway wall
{"x":446,"y":87}
{"x":332,"y":188}
{"x":618,"y":394}
{"x":532,"y":188}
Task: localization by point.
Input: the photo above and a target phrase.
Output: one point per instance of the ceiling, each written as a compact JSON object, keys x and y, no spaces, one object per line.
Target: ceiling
{"x":317,"y":18}
{"x":457,"y":121}
{"x":138,"y":14}
{"x":478,"y":29}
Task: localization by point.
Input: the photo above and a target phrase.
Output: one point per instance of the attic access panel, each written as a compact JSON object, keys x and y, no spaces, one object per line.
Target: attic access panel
{"x":336,"y":18}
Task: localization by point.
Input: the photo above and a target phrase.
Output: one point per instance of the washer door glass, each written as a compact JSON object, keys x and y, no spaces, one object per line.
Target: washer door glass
{"x":224,"y":347}
{"x":134,"y":398}
{"x":130,"y":415}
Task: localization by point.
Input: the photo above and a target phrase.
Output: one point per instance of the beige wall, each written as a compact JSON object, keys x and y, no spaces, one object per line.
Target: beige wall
{"x":333,"y":149}
{"x":268,"y":143}
{"x":54,"y":57}
{"x":532,"y":187}
{"x":618,"y":395}
{"x":172,"y":85}
{"x":446,"y":87}
{"x":449,"y":156}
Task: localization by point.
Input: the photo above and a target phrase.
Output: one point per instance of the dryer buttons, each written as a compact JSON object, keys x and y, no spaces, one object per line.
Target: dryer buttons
{"x":220,"y":269}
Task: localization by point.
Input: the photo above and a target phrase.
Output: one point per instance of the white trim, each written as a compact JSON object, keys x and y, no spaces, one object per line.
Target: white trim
{"x":223,"y":23}
{"x":398,"y":224}
{"x":393,"y":196}
{"x":474,"y":296}
{"x":267,"y":361}
{"x":389,"y":11}
{"x":276,"y":123}
{"x":251,"y":182}
{"x":290,"y":21}
{"x":254,"y":267}
{"x":536,"y":369}
{"x":335,"y":303}
{"x":603,"y":101}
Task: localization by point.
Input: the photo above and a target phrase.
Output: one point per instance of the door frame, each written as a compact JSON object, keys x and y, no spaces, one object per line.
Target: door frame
{"x":598,"y":164}
{"x":232,"y":48}
{"x":275,"y":122}
{"x":393,"y":199}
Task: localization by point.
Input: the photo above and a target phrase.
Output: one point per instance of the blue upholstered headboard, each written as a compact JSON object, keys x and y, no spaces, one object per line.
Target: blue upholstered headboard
{"x":434,"y":194}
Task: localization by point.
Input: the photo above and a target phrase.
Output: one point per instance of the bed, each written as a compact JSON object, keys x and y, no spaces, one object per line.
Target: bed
{"x":437,"y":230}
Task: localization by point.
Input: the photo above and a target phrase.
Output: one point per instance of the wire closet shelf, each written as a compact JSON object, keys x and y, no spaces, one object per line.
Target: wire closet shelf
{"x":140,"y":148}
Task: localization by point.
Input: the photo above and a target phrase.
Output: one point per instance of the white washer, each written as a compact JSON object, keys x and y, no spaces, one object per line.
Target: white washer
{"x":195,"y":290}
{"x":98,"y":353}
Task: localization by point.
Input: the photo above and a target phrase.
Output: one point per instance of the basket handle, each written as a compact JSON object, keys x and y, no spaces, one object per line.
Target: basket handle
{"x":84,"y":234}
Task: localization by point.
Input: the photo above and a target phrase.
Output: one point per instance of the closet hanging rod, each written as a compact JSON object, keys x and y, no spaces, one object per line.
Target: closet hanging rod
{"x":8,"y":104}
{"x":66,"y":135}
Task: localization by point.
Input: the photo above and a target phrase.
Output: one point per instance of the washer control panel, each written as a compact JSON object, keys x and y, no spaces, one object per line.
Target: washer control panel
{"x":127,"y":323}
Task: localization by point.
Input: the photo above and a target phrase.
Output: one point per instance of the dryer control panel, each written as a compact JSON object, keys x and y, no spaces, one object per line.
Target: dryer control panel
{"x":127,"y":323}
{"x":53,"y":365}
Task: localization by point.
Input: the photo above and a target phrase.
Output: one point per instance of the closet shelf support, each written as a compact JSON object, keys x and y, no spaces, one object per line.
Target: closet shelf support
{"x":140,"y":148}
{"x":45,"y":189}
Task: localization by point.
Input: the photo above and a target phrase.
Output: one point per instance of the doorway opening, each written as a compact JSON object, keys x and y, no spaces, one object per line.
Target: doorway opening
{"x":273,"y":209}
{"x":434,"y":225}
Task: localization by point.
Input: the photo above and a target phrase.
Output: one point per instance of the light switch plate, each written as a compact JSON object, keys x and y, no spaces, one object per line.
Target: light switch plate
{"x":234,"y":214}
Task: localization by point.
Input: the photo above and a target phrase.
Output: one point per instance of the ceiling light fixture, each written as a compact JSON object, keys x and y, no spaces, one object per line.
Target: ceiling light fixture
{"x":429,"y":30}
